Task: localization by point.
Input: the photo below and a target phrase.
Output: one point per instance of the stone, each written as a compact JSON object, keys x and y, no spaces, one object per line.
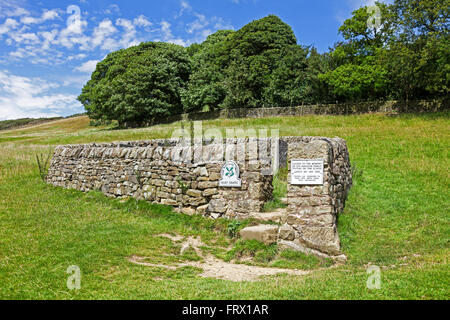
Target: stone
{"x":217,"y":205}
{"x":169,"y":202}
{"x":201,"y":171}
{"x":189,"y":211}
{"x":207,"y":184}
{"x":278,"y":216}
{"x":286,"y":233}
{"x":209,"y":192}
{"x":314,"y":220}
{"x":215,"y":215}
{"x":264,"y":233}
{"x":194,"y":193}
{"x":213,"y":176}
{"x":195,"y":202}
{"x":162,"y":195}
{"x":202,"y":209}
{"x":324,"y":239}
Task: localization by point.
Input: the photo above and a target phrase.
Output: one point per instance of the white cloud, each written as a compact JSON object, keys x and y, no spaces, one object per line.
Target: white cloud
{"x":349,"y":6}
{"x":69,"y":35}
{"x":8,"y":25}
{"x":17,"y":12}
{"x":10,"y":8}
{"x":142,"y":21}
{"x":198,"y":24}
{"x":167,"y":35}
{"x":129,"y":35}
{"x":76,"y":81}
{"x":46,"y":15}
{"x":185,"y":6}
{"x":48,"y":38}
{"x":73,"y":33}
{"x":112,"y":9}
{"x":31,"y":97}
{"x":202,"y":26}
{"x":26,"y":38}
{"x":102,"y":31}
{"x":87,"y":67}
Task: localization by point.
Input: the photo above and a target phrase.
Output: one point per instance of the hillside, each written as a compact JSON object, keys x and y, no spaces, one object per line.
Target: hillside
{"x":396,"y":218}
{"x":17,"y":123}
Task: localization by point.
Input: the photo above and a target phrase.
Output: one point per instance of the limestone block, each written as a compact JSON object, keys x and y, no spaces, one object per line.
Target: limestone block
{"x":218,"y":205}
{"x":286,"y":233}
{"x":324,"y":239}
{"x":207,"y":184}
{"x":189,"y":211}
{"x":194,"y":193}
{"x":265,"y":233}
{"x":169,"y":202}
{"x":311,"y":219}
{"x":201,"y":171}
{"x":202,"y":209}
{"x":209,"y":192}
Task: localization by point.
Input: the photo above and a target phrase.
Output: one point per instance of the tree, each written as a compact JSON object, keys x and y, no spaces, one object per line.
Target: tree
{"x":417,"y":55}
{"x":206,"y":89}
{"x":354,"y":73}
{"x":317,"y":90}
{"x":365,"y":31}
{"x":288,"y":82}
{"x":137,"y":85}
{"x":258,"y":65}
{"x":356,"y":82}
{"x":263,"y":69}
{"x":423,"y":17}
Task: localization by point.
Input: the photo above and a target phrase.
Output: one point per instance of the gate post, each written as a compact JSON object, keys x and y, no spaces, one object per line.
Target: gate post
{"x":318,"y":182}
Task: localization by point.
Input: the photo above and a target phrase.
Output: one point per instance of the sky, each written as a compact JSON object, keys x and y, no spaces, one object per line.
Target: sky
{"x":48,"y":49}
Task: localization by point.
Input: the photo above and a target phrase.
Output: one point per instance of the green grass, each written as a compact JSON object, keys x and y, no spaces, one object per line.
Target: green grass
{"x":279,"y":190}
{"x":298,"y":260}
{"x":397,"y":217}
{"x":257,"y":251}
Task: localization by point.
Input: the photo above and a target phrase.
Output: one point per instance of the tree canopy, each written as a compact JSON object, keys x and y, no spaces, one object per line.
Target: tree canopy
{"x":138,"y":84}
{"x":391,"y":51}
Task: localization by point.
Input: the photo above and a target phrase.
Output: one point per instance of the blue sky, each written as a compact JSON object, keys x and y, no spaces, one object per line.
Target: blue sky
{"x":48,"y":49}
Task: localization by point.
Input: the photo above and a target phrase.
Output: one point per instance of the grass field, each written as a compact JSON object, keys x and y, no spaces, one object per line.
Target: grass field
{"x":397,"y":217}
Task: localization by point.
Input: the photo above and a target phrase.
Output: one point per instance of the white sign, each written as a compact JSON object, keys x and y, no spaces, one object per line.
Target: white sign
{"x":230,"y":175}
{"x":307,"y":171}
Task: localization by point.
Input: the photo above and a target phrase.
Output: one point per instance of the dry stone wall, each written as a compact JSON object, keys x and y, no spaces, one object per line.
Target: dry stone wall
{"x":186,"y":176}
{"x":169,"y":172}
{"x":331,"y":109}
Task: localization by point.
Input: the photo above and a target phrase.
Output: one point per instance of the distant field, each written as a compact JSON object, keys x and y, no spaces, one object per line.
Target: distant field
{"x":396,"y":217}
{"x":11,"y":124}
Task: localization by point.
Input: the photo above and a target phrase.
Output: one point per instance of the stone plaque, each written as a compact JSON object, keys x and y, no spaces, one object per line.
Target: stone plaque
{"x":307,"y":171}
{"x":230,"y":175}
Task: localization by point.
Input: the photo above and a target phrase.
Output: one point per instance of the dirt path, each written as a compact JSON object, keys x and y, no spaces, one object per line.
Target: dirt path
{"x":215,"y":268}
